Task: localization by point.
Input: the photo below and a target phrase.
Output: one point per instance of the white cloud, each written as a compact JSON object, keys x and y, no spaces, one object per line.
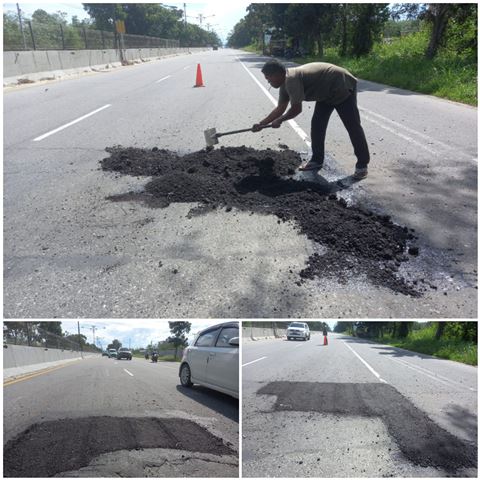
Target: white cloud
{"x":133,"y":333}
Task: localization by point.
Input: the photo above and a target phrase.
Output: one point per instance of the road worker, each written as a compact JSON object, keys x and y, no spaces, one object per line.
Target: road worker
{"x":332,"y":88}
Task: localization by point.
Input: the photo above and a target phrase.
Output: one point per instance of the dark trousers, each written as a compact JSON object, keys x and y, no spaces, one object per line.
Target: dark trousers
{"x":350,"y":116}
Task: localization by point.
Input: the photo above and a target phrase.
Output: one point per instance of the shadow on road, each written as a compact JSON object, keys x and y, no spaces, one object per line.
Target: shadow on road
{"x":464,"y":420}
{"x":223,"y":404}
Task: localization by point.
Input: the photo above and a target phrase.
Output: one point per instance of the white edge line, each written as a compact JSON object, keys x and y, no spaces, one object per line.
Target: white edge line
{"x":131,"y":374}
{"x":257,"y":360}
{"x":398,"y":134}
{"x":433,"y":375}
{"x":45,"y":135}
{"x":162,"y":79}
{"x":365,"y":363}
{"x":292,"y":123}
{"x":414,"y":132}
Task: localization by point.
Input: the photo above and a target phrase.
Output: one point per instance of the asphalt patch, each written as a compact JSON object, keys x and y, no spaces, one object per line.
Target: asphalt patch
{"x":48,"y":448}
{"x":353,"y":241}
{"x":420,"y":439}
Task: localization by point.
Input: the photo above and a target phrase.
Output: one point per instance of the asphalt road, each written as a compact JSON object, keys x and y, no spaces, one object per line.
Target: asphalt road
{"x":355,"y":408}
{"x":70,"y":253}
{"x":101,"y":417}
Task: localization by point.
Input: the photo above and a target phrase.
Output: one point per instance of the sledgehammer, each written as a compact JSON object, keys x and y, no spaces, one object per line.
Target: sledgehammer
{"x":211,"y":135}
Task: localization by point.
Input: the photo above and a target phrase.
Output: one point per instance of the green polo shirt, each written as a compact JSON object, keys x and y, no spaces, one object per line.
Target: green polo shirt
{"x":317,"y":82}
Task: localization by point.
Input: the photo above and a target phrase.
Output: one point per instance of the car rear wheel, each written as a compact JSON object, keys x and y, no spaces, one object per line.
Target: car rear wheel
{"x":185,"y":376}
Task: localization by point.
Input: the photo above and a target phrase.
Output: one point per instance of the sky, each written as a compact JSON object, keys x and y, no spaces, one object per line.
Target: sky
{"x":225,"y":13}
{"x":131,"y":333}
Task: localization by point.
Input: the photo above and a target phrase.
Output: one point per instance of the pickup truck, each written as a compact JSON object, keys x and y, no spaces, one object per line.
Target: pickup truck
{"x":298,"y":330}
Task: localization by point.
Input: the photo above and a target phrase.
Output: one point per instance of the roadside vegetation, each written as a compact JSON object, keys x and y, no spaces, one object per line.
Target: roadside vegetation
{"x":425,"y":48}
{"x":455,"y":341}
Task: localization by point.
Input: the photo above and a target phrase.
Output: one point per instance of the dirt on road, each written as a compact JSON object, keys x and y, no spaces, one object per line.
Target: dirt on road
{"x":351,"y":240}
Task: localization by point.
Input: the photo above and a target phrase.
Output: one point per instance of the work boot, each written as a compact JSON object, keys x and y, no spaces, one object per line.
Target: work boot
{"x":310,"y":165}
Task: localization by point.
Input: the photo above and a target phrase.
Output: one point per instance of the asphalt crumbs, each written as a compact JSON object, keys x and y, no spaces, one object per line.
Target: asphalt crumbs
{"x":420,"y":439}
{"x":46,"y":449}
{"x":356,"y":242}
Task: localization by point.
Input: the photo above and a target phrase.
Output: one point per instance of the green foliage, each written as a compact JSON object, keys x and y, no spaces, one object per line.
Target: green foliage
{"x":450,"y":347}
{"x":402,"y":64}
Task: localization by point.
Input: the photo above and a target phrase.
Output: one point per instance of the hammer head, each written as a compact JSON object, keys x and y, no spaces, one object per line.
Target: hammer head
{"x":211,"y":137}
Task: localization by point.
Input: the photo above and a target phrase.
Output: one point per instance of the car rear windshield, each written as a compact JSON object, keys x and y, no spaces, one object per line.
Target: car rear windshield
{"x":297,"y":325}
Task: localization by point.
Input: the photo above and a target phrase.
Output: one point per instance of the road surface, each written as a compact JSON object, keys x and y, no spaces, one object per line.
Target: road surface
{"x":69,"y":252}
{"x":355,"y":408}
{"x":102,"y":417}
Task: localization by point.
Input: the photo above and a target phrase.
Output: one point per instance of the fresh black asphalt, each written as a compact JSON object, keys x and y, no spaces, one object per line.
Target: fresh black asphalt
{"x":420,"y":439}
{"x":48,"y":448}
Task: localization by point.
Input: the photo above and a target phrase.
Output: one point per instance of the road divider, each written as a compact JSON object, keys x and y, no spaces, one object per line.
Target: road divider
{"x":253,"y":361}
{"x":45,"y":135}
{"x":365,"y":363}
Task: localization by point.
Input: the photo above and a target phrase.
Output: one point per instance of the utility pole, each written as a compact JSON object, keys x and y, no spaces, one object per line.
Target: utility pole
{"x":202,"y":17}
{"x":185,"y":15}
{"x":21,"y":26}
{"x":93,"y":328}
{"x":79,"y":340}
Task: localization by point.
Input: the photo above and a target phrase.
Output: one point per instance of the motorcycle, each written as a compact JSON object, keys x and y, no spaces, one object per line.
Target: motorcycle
{"x":154,"y":357}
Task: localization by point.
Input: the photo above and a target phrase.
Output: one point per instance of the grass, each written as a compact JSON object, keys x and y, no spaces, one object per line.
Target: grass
{"x":402,"y":64}
{"x":423,"y":341}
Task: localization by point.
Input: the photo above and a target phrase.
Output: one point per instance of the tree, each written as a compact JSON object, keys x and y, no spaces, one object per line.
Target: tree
{"x":368,"y":22}
{"x":115,"y":344}
{"x":440,"y":330}
{"x":404,"y":329}
{"x":178,"y":337}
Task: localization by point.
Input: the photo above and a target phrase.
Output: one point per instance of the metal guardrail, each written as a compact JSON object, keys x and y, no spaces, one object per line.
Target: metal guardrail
{"x":39,"y":36}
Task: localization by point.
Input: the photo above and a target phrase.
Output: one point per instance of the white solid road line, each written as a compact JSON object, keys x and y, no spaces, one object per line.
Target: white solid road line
{"x":365,"y":363}
{"x":432,"y":375}
{"x":292,"y":123}
{"x":429,"y":139}
{"x":301,"y":345}
{"x":162,"y":79}
{"x":254,"y":361}
{"x":45,"y":135}
{"x":131,"y":374}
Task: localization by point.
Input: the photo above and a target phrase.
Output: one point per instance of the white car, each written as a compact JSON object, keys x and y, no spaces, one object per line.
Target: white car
{"x":212,"y":359}
{"x":298,"y":330}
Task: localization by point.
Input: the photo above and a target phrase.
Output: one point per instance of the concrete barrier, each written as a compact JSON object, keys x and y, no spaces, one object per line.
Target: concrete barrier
{"x":19,"y":360}
{"x":257,"y":333}
{"x":32,"y":66}
{"x":20,"y":356}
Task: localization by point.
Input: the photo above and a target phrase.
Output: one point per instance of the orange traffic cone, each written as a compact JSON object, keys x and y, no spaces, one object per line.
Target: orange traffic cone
{"x":199,"y":80}
{"x":325,"y":340}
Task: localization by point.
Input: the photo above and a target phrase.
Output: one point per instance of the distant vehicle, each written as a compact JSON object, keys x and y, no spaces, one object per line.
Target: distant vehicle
{"x":124,"y":353}
{"x":212,"y":359}
{"x":298,"y":330}
{"x":155,"y":357}
{"x":104,"y":353}
{"x":112,"y":353}
{"x":215,"y":47}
